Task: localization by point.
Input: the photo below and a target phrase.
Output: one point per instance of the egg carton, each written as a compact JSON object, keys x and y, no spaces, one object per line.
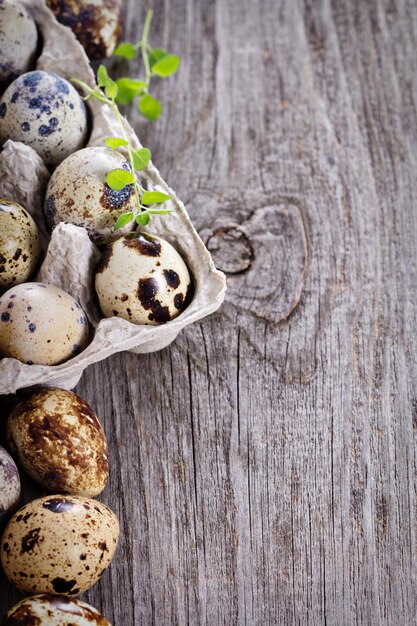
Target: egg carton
{"x":69,"y":255}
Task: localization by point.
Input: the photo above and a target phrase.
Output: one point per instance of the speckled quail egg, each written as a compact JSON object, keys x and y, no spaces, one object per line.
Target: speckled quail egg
{"x":18,"y":40}
{"x":59,"y":544}
{"x":49,"y":610}
{"x":19,"y":244}
{"x":44,"y":111}
{"x":9,"y":485}
{"x":142,"y":279}
{"x":97,"y":24}
{"x":41,"y":324}
{"x":78,"y":194}
{"x":58,"y":440}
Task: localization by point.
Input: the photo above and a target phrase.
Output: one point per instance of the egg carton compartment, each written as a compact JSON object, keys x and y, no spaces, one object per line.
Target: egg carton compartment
{"x":70,"y":257}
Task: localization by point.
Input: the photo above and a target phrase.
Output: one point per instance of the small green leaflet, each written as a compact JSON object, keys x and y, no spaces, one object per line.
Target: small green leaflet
{"x":102,"y":76}
{"x":123,"y":220}
{"x":111,"y":89}
{"x":142,"y":219}
{"x":154,"y":197}
{"x":116,"y":142}
{"x":156,"y":55}
{"x":141,"y":158}
{"x":126,"y":50}
{"x":150,"y":107}
{"x":166,"y":66}
{"x":118,"y":179}
{"x":129,"y":89}
{"x":104,"y":80}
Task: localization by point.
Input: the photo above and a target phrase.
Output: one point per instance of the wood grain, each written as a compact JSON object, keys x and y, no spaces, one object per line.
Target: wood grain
{"x":263,"y":466}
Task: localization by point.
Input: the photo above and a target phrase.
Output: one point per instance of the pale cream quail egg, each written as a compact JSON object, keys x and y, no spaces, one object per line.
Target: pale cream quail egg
{"x":52,"y":610}
{"x":19,"y":244}
{"x":44,"y":111}
{"x":9,"y":485}
{"x":41,"y":324}
{"x":59,"y":544}
{"x":142,"y":279}
{"x":97,"y":24}
{"x":58,"y":440}
{"x":78,"y":194}
{"x":18,"y":40}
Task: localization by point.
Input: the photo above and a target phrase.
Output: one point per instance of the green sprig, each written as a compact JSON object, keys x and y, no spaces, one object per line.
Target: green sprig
{"x":117,"y":179}
{"x":156,"y":62}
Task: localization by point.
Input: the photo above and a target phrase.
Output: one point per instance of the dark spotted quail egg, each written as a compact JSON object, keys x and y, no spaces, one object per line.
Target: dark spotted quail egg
{"x":57,"y":439}
{"x":19,"y":244}
{"x":49,"y":610}
{"x":44,"y":111}
{"x":9,"y":485}
{"x":96,"y":23}
{"x":78,"y":194}
{"x":59,"y":544}
{"x":18,"y":40}
{"x":41,"y":324}
{"x":143,"y":279}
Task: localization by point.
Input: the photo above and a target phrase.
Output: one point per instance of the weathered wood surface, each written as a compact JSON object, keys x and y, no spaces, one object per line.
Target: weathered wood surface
{"x":263,"y":466}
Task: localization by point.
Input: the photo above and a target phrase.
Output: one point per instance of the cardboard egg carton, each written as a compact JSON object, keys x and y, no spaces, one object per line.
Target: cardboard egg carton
{"x":70,"y":257}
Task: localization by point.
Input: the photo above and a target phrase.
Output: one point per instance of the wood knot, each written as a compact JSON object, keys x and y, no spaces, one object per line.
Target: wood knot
{"x":231,"y":250}
{"x":265,"y":258}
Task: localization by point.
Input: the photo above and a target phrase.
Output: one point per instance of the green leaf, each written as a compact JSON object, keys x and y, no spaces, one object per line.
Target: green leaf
{"x":123,"y":220}
{"x":116,"y":142}
{"x":104,"y":80}
{"x":141,"y":158}
{"x":156,"y":55}
{"x":150,"y":107}
{"x":111,"y":89}
{"x":118,"y":179}
{"x":102,"y":76}
{"x":129,"y":89}
{"x":142,"y":219}
{"x":166,"y":66}
{"x":131,"y":83}
{"x":154,"y":197}
{"x":126,"y":50}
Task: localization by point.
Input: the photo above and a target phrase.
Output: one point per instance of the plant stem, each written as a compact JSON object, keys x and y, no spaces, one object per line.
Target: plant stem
{"x":144,"y":45}
{"x":129,"y":150}
{"x":95,"y":93}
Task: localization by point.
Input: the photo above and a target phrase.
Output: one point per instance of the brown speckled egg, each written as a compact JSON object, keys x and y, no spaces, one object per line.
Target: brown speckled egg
{"x":78,"y":194}
{"x":142,"y":279}
{"x":96,"y":23}
{"x":49,"y":610}
{"x":9,"y":485}
{"x":18,"y":40}
{"x":45,"y":112}
{"x":59,"y":544}
{"x":41,"y":324}
{"x":19,"y":244}
{"x":57,"y":439}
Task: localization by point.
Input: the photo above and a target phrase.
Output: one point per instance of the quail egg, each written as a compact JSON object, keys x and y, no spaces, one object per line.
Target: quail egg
{"x":19,"y":244}
{"x":18,"y":40}
{"x":78,"y":194}
{"x":9,"y":485}
{"x":97,"y":24}
{"x":58,"y":440}
{"x":49,"y":610}
{"x":59,"y":544}
{"x":41,"y":324}
{"x":142,"y":279}
{"x":44,"y":111}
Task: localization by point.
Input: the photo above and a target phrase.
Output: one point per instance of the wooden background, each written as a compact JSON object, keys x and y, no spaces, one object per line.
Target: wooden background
{"x":263,"y":466}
